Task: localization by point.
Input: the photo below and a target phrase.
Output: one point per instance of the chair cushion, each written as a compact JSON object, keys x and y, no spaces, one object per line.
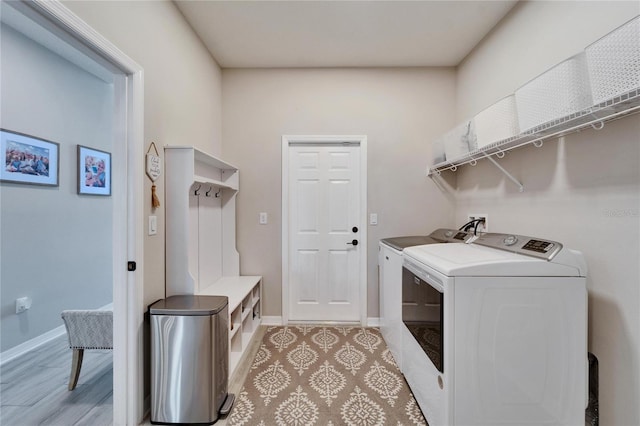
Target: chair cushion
{"x":89,"y":329}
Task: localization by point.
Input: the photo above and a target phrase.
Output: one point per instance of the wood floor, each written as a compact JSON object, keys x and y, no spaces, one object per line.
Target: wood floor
{"x":33,"y":388}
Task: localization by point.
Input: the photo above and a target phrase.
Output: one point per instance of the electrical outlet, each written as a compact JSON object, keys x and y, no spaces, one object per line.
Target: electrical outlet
{"x":22,"y":304}
{"x":482,"y":227}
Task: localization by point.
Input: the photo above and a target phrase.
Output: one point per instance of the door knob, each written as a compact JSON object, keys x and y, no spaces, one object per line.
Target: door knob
{"x":353,"y":243}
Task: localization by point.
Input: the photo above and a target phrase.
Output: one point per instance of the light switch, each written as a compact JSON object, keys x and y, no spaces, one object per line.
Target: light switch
{"x":263,"y":218}
{"x":373,"y":219}
{"x":153,"y":225}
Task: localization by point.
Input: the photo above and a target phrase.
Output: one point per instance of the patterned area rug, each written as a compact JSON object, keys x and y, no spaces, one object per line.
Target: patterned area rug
{"x":324,"y":376}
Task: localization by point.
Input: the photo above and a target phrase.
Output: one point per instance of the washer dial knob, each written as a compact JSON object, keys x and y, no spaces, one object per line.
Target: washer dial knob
{"x":510,"y":240}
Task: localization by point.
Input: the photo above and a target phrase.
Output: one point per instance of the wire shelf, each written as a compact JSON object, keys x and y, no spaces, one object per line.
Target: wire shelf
{"x":595,"y":117}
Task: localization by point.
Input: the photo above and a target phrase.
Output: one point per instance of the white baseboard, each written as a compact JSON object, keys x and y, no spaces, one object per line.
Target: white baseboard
{"x":276,"y":320}
{"x":373,"y":322}
{"x":37,"y":341}
{"x":30,"y":345}
{"x":271,"y":320}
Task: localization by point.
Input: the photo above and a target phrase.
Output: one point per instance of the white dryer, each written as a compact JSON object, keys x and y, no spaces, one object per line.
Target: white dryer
{"x":507,"y":332}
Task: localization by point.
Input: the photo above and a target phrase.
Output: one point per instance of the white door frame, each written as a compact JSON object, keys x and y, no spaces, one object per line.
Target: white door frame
{"x":287,"y":141}
{"x":128,"y":309}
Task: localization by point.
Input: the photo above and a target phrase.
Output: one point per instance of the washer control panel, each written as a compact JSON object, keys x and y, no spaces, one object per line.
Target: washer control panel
{"x":529,"y":246}
{"x":451,"y":235}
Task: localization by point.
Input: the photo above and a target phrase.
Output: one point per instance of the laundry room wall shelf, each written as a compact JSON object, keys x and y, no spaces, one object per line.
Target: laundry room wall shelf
{"x":594,"y":117}
{"x":607,"y":73}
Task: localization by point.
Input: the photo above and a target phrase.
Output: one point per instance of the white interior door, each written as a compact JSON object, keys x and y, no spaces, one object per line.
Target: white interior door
{"x":324,"y":230}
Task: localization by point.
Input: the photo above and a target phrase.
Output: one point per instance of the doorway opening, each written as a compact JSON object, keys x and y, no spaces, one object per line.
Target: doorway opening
{"x":64,"y":83}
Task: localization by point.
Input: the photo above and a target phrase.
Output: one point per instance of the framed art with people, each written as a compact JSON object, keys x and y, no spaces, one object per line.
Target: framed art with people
{"x":94,"y":171}
{"x":29,"y":159}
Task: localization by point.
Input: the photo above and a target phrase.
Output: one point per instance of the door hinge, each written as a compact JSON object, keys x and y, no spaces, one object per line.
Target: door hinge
{"x":131,"y":266}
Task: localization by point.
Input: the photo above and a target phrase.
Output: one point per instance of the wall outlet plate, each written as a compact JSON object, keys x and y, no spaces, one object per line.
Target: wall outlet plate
{"x":482,"y":227}
{"x":22,"y":304}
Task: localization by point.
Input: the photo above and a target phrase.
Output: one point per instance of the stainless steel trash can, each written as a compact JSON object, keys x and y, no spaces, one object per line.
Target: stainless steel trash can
{"x":189,"y":358}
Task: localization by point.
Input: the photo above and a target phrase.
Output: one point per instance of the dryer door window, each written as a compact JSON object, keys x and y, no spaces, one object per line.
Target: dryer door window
{"x":422,"y":313}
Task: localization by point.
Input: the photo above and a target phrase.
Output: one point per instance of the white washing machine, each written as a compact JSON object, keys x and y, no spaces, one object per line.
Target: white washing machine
{"x":505,"y":332}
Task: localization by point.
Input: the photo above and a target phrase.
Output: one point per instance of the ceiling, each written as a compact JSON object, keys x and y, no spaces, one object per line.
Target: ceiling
{"x":286,"y":33}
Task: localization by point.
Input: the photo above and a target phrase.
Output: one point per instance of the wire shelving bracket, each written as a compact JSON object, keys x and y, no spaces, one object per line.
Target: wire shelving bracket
{"x":507,"y":174}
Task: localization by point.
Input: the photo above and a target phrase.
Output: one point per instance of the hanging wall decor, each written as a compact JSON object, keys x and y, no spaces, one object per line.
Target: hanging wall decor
{"x":28,"y":159}
{"x":154,"y":170}
{"x":94,"y":171}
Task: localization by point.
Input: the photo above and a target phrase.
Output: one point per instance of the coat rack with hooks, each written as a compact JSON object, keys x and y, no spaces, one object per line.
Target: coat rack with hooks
{"x":198,"y":187}
{"x":201,"y":254}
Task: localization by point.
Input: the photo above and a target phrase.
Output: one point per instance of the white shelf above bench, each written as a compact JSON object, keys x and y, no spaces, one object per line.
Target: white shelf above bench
{"x":213,"y":182}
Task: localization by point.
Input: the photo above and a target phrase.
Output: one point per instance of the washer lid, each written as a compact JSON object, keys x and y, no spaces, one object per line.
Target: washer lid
{"x":400,"y":243}
{"x":189,"y":305}
{"x":442,"y":235}
{"x":475,"y":260}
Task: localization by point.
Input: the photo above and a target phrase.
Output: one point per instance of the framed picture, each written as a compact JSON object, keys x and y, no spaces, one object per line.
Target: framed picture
{"x":29,"y":160}
{"x":94,"y":171}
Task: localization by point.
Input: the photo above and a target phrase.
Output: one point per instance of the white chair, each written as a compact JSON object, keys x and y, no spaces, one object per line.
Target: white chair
{"x":87,"y":329}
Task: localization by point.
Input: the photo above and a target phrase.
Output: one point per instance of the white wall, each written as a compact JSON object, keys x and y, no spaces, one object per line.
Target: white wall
{"x":56,"y":244}
{"x":182,"y":98}
{"x":182,"y":86}
{"x":582,"y":190}
{"x":398,"y":109}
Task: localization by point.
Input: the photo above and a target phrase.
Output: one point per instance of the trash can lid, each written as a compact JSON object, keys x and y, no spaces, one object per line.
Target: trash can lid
{"x":189,"y":305}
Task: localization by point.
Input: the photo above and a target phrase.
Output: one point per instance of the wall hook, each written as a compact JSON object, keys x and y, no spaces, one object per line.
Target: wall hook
{"x":538,"y":143}
{"x":599,"y":126}
{"x":500,"y":154}
{"x":197,"y":190}
{"x":217,"y":194}
{"x":208,"y":193}
{"x":473,"y":162}
{"x":454,"y":168}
